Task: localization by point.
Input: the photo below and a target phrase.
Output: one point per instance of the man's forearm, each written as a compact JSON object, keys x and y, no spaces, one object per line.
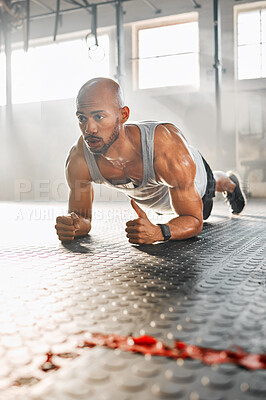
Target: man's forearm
{"x":184,"y":227}
{"x":143,"y":231}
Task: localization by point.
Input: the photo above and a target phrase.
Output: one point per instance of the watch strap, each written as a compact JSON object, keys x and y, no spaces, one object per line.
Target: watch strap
{"x":165,"y":231}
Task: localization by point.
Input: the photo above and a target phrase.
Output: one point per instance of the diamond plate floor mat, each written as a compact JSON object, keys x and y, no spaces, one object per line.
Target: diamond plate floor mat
{"x":209,"y":291}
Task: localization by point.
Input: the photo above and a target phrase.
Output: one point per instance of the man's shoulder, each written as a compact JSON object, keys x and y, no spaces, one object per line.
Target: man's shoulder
{"x":172,"y":160}
{"x":76,"y":165}
{"x":167,"y":134}
{"x":75,"y":153}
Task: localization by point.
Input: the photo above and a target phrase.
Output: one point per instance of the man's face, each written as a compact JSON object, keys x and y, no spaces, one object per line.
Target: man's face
{"x":98,"y":117}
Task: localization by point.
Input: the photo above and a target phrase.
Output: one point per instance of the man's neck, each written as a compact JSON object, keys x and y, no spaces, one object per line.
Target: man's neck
{"x":122,"y":152}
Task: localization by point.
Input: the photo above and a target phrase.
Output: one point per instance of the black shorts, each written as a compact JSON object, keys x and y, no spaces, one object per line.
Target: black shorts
{"x":207,"y":199}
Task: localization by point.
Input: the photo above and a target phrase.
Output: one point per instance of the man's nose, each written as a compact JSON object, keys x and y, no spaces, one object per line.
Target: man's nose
{"x":91,"y":126}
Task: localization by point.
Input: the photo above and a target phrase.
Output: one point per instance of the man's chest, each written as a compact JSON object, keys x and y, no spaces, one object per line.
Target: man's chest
{"x":113,"y":173}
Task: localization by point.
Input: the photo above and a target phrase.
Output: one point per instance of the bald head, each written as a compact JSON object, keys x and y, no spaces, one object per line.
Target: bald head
{"x":103,"y":88}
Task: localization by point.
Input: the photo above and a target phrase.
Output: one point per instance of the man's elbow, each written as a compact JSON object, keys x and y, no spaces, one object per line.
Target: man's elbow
{"x":198,"y":227}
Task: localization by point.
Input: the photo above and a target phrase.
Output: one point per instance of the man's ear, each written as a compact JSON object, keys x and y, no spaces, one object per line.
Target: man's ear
{"x":124,"y":114}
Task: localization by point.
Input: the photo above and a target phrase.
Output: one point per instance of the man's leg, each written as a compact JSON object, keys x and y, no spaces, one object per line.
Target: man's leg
{"x":230,"y":185}
{"x":223,"y":182}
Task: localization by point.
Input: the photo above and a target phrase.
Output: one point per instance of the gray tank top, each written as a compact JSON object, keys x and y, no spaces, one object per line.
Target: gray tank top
{"x":149,"y":193}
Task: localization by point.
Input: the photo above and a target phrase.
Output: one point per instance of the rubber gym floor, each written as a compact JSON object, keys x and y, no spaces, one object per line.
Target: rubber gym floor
{"x":208,"y":291}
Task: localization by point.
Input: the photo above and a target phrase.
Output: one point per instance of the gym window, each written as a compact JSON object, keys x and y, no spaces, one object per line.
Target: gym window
{"x":55,"y":71}
{"x":2,"y":79}
{"x":167,"y":53}
{"x":251,"y":40}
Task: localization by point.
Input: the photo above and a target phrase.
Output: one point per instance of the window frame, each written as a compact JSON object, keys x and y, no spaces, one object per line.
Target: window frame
{"x":239,"y":8}
{"x":2,"y":54}
{"x":157,"y":23}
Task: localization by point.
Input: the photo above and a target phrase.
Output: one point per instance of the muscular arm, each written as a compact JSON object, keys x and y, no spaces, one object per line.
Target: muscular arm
{"x":78,"y":221}
{"x":174,"y":167}
{"x":81,"y":190}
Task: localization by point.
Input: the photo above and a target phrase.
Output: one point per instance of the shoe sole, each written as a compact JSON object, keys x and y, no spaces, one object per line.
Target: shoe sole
{"x":229,"y":174}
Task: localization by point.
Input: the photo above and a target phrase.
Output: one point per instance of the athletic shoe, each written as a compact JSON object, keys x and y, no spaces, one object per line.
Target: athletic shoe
{"x":236,"y":199}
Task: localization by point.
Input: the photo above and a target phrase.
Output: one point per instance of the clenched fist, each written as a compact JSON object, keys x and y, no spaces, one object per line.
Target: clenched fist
{"x":66,"y":226}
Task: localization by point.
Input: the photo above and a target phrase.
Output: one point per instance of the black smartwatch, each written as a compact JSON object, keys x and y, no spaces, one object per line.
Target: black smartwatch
{"x":165,"y":231}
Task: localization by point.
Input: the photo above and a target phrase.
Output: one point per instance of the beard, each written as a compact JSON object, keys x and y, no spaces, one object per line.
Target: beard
{"x":113,"y":137}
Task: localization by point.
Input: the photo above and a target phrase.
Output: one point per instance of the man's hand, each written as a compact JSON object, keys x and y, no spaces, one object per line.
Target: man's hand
{"x":66,"y":226}
{"x":141,"y":230}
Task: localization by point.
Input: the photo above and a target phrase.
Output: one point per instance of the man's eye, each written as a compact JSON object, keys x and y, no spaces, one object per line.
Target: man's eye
{"x":81,"y":118}
{"x":98,"y":117}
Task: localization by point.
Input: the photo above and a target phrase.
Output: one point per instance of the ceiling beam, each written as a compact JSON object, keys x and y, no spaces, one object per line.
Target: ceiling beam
{"x":43,"y":5}
{"x":75,"y":9}
{"x":57,"y":16}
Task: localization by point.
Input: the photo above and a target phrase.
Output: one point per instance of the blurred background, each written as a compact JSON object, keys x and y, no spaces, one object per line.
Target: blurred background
{"x":199,"y":64}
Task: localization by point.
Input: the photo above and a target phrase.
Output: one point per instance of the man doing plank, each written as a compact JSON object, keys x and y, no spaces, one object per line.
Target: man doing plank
{"x":151,"y":162}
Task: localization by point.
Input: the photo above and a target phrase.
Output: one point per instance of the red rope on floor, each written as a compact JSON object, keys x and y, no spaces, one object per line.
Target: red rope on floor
{"x":154,"y":347}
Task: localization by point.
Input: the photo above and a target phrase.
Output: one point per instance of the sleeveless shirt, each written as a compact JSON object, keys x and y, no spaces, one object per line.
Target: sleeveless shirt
{"x":149,"y":193}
